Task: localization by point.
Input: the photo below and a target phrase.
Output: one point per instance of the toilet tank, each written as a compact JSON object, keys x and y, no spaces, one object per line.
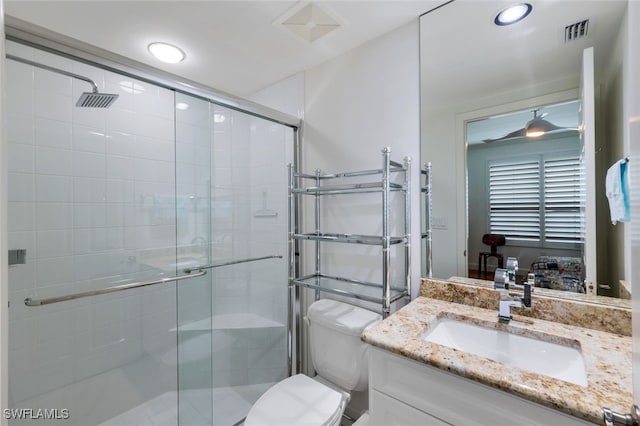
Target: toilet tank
{"x":337,"y":352}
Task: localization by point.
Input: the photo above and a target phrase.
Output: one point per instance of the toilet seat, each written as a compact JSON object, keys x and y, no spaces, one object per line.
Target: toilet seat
{"x":298,"y":400}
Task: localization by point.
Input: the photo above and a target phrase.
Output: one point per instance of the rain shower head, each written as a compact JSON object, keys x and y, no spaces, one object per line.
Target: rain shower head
{"x":96,"y":100}
{"x":93,"y":99}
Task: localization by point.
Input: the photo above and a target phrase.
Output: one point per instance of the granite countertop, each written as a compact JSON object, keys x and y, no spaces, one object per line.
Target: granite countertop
{"x":607,"y":357}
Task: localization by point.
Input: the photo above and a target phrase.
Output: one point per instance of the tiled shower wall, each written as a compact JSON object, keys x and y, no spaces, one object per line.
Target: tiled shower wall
{"x":92,"y":200}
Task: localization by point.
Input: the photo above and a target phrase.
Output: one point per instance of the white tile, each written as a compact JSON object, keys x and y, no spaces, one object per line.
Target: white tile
{"x":155,"y":127}
{"x":115,"y":215}
{"x":51,"y":325}
{"x":54,"y":271}
{"x":54,"y":243}
{"x":89,"y":266}
{"x":119,"y":120}
{"x":89,"y":215}
{"x":53,"y":161}
{"x":54,"y":216}
{"x":54,"y":188}
{"x":154,"y":171}
{"x":148,"y":237}
{"x":89,"y":139}
{"x":20,"y":91}
{"x":120,"y":167}
{"x":81,"y":241}
{"x":20,"y":216}
{"x":120,"y":191}
{"x":21,"y":278}
{"x":20,"y":158}
{"x":89,"y":190}
{"x":154,"y":149}
{"x":53,"y":106}
{"x":53,"y":134}
{"x":98,"y":240}
{"x":89,"y":164}
{"x":49,"y":81}
{"x":120,"y":144}
{"x":20,"y":128}
{"x":22,"y":187}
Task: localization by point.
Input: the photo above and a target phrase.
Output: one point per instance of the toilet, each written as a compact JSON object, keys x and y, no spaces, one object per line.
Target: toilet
{"x":339,"y":357}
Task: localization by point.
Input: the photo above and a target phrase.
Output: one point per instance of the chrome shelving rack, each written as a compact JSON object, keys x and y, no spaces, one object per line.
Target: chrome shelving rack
{"x":324,"y":184}
{"x":426,"y":190}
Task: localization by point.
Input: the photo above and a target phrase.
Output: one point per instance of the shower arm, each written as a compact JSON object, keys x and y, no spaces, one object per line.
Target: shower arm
{"x":57,"y":70}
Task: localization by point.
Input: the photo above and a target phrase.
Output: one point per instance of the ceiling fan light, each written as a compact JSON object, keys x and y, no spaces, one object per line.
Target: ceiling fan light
{"x":538,"y":127}
{"x":535,"y":133}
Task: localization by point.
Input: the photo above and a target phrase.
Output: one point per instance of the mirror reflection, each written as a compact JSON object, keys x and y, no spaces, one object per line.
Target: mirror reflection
{"x":525,"y":186}
{"x":482,"y":89}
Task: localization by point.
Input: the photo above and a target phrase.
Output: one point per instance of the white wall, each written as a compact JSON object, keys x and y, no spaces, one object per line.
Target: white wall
{"x":612,"y":141}
{"x":355,"y":105}
{"x":286,"y":95}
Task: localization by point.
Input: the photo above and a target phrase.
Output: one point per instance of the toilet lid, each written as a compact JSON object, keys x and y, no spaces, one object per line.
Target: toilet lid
{"x":297,"y":400}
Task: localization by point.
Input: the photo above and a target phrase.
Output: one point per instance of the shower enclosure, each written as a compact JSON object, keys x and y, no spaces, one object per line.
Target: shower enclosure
{"x":161,"y":184}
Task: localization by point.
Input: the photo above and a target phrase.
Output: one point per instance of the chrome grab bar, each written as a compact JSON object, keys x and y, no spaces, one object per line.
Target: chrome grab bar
{"x":231,"y":262}
{"x":39,"y":302}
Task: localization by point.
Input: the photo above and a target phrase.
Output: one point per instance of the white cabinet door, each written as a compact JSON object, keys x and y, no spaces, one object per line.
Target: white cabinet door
{"x":387,"y":411}
{"x":451,"y":398}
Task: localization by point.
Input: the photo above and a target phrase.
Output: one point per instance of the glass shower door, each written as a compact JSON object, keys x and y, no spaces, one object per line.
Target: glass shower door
{"x":231,"y":183}
{"x":193,"y":212}
{"x":92,"y":201}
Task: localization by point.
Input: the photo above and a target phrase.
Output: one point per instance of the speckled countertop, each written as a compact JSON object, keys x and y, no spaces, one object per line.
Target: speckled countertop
{"x":607,"y":356}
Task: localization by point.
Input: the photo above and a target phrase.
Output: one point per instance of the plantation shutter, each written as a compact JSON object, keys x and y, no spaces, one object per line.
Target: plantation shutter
{"x":514,"y":200}
{"x":563,"y":196}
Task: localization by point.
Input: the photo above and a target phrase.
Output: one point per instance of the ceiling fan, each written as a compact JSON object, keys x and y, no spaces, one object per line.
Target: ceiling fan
{"x":534,"y":128}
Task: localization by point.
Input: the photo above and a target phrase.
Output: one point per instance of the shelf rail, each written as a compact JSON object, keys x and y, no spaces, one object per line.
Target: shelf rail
{"x":385,"y":186}
{"x":427,"y":190}
{"x":48,"y":301}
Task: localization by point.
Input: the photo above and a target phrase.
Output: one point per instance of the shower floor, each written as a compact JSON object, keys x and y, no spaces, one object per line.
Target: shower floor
{"x":230,"y":405}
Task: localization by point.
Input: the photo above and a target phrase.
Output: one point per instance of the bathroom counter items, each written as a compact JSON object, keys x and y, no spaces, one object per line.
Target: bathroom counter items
{"x":607,"y":357}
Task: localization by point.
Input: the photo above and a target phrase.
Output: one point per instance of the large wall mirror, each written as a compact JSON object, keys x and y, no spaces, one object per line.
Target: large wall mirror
{"x":482,"y":86}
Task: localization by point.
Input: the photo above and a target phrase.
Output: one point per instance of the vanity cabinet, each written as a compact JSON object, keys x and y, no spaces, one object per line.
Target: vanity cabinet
{"x":406,"y":392}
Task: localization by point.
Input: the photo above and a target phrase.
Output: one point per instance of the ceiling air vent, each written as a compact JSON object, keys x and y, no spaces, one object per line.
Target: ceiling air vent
{"x":576,"y":31}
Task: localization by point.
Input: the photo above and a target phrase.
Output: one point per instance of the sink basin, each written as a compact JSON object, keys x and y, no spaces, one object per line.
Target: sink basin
{"x":538,"y":356}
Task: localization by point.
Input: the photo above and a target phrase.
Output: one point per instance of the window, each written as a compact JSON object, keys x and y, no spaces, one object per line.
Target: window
{"x":538,"y":199}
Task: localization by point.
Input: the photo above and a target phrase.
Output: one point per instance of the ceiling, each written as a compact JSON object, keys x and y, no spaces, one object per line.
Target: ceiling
{"x":233,"y":46}
{"x":465,"y":56}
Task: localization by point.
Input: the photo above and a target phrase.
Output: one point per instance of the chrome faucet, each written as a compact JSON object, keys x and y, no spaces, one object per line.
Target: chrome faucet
{"x":507,"y":301}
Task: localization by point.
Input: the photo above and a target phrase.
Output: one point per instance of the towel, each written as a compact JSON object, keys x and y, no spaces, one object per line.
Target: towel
{"x":617,"y":189}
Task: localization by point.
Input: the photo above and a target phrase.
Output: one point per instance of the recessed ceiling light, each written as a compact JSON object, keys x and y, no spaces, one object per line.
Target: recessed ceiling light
{"x":513,"y":14}
{"x":166,"y":52}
